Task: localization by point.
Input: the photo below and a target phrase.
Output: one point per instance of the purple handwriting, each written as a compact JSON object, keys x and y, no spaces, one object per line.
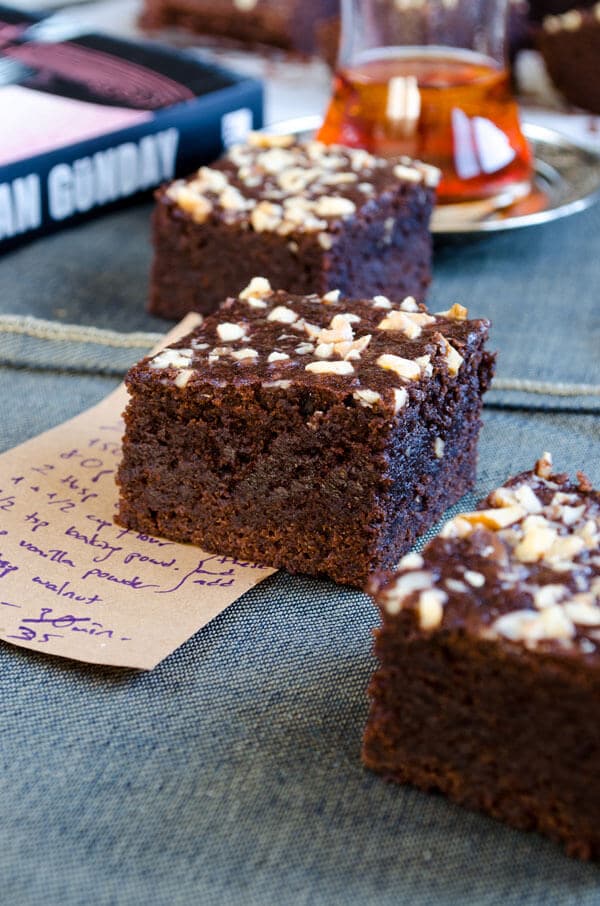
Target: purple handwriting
{"x":139,"y":536}
{"x":6,"y":567}
{"x":66,"y":591}
{"x":91,"y":463}
{"x":8,"y":604}
{"x":55,"y":555}
{"x":37,"y":521}
{"x":6,"y":503}
{"x":106,"y":446}
{"x":94,"y":541}
{"x":136,"y":583}
{"x":68,"y":621}
{"x":223,"y":578}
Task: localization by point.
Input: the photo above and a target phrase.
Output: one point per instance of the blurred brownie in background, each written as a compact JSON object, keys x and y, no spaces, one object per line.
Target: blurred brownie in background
{"x":291,"y":25}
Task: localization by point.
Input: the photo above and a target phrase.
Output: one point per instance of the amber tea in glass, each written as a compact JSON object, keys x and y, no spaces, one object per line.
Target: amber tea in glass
{"x":439,"y":92}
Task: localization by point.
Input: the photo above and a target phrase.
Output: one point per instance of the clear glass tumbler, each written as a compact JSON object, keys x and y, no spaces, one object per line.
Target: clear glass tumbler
{"x":429,"y":79}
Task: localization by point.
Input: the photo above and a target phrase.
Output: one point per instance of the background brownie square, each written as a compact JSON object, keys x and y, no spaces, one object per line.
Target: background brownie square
{"x":489,"y":681}
{"x":288,"y":24}
{"x":306,"y":216}
{"x":315,"y":434}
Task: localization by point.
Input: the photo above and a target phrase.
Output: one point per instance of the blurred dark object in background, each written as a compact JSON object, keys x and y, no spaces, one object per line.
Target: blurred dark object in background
{"x":570,"y":46}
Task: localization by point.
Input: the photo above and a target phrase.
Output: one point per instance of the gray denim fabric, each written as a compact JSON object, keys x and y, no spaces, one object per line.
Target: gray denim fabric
{"x":231,"y":774}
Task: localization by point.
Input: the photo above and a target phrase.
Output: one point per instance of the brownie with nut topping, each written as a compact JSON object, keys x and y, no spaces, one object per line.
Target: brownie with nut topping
{"x":291,"y":25}
{"x":489,"y":649}
{"x":308,"y":217}
{"x":312,"y":433}
{"x":570,"y":46}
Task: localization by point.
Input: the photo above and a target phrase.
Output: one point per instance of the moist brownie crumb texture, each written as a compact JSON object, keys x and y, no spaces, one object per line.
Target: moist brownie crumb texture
{"x":311,"y":433}
{"x":309,"y":217}
{"x":489,"y":681}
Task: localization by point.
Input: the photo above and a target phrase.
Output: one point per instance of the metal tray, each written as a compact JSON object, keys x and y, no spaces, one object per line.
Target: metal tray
{"x":567,"y":180}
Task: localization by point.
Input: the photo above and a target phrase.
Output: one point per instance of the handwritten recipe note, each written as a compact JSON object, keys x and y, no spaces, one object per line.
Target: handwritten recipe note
{"x":72,"y":582}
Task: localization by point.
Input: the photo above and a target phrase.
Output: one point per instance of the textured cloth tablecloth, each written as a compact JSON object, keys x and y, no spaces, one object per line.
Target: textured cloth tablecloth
{"x":230,"y":774}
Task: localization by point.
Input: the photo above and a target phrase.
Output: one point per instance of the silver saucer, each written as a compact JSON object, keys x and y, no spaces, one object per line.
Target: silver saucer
{"x":567,"y":180}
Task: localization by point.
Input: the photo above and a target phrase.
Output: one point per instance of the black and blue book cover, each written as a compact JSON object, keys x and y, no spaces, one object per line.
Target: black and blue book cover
{"x":90,"y":121}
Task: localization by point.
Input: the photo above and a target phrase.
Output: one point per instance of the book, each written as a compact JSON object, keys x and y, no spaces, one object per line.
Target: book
{"x":89,"y":121}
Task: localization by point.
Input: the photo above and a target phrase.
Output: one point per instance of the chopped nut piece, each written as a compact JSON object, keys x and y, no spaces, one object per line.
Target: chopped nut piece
{"x":282,"y":314}
{"x":182,"y":377}
{"x":438,"y":448}
{"x":410,"y":304}
{"x":367,"y":398}
{"x":409,"y":173}
{"x":332,"y":296}
{"x":495,"y":519}
{"x":262,"y":140}
{"x":258,"y":286}
{"x":211,"y":180}
{"x":404,"y":368}
{"x":229,"y":332}
{"x":197,"y":206}
{"x":543,"y":466}
{"x":405,"y":586}
{"x":455,"y":313}
{"x":548,"y":595}
{"x":399,"y":320}
{"x":339,"y":329}
{"x":324,"y":350}
{"x":172,"y":358}
{"x":477,"y":580}
{"x":431,"y":607}
{"x":583,"y":613}
{"x":535,"y":544}
{"x":304,"y":348}
{"x":277,"y":357}
{"x":330,"y":367}
{"x":282,"y":385}
{"x":266,"y":217}
{"x":411,"y":561}
{"x":400,"y":399}
{"x":381,"y":302}
{"x":246,"y":353}
{"x":334,"y":206}
{"x":325,"y":241}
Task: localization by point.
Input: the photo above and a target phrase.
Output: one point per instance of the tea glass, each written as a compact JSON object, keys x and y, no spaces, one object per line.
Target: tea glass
{"x":429,"y":79}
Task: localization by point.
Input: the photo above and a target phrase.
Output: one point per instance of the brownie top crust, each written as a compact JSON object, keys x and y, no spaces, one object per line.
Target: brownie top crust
{"x":376,"y":353}
{"x":523,"y":567}
{"x":278,"y":185}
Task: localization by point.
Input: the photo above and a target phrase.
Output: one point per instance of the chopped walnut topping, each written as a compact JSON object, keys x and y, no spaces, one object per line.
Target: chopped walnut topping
{"x":543,"y":466}
{"x":277,"y":357}
{"x":330,"y":367}
{"x":411,"y":561}
{"x":334,"y":206}
{"x":325,"y":241}
{"x":400,"y":399}
{"x":411,"y":174}
{"x":282,"y":314}
{"x":258,"y":286}
{"x":381,"y":302}
{"x":477,"y":580}
{"x":410,"y":304}
{"x":438,"y":448}
{"x":266,"y":217}
{"x":496,"y":518}
{"x":262,"y":140}
{"x":229,"y":332}
{"x":304,"y":348}
{"x":246,"y":353}
{"x":332,"y":296}
{"x":455,"y":313}
{"x":172,"y":358}
{"x":280,"y":385}
{"x":532,"y":626}
{"x":404,"y":368}
{"x":454,"y":359}
{"x":182,"y":377}
{"x":367,"y":398}
{"x":197,"y":206}
{"x":404,"y":586}
{"x":430,"y":607}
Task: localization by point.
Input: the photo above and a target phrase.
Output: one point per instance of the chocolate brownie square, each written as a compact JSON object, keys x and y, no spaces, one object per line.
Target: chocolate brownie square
{"x":291,"y":25}
{"x":308,"y":217}
{"x":570,"y":46}
{"x":310,"y":433}
{"x":489,"y":680}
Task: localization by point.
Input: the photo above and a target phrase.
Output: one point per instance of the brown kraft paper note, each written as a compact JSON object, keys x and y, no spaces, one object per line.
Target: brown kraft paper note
{"x":75,"y":584}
